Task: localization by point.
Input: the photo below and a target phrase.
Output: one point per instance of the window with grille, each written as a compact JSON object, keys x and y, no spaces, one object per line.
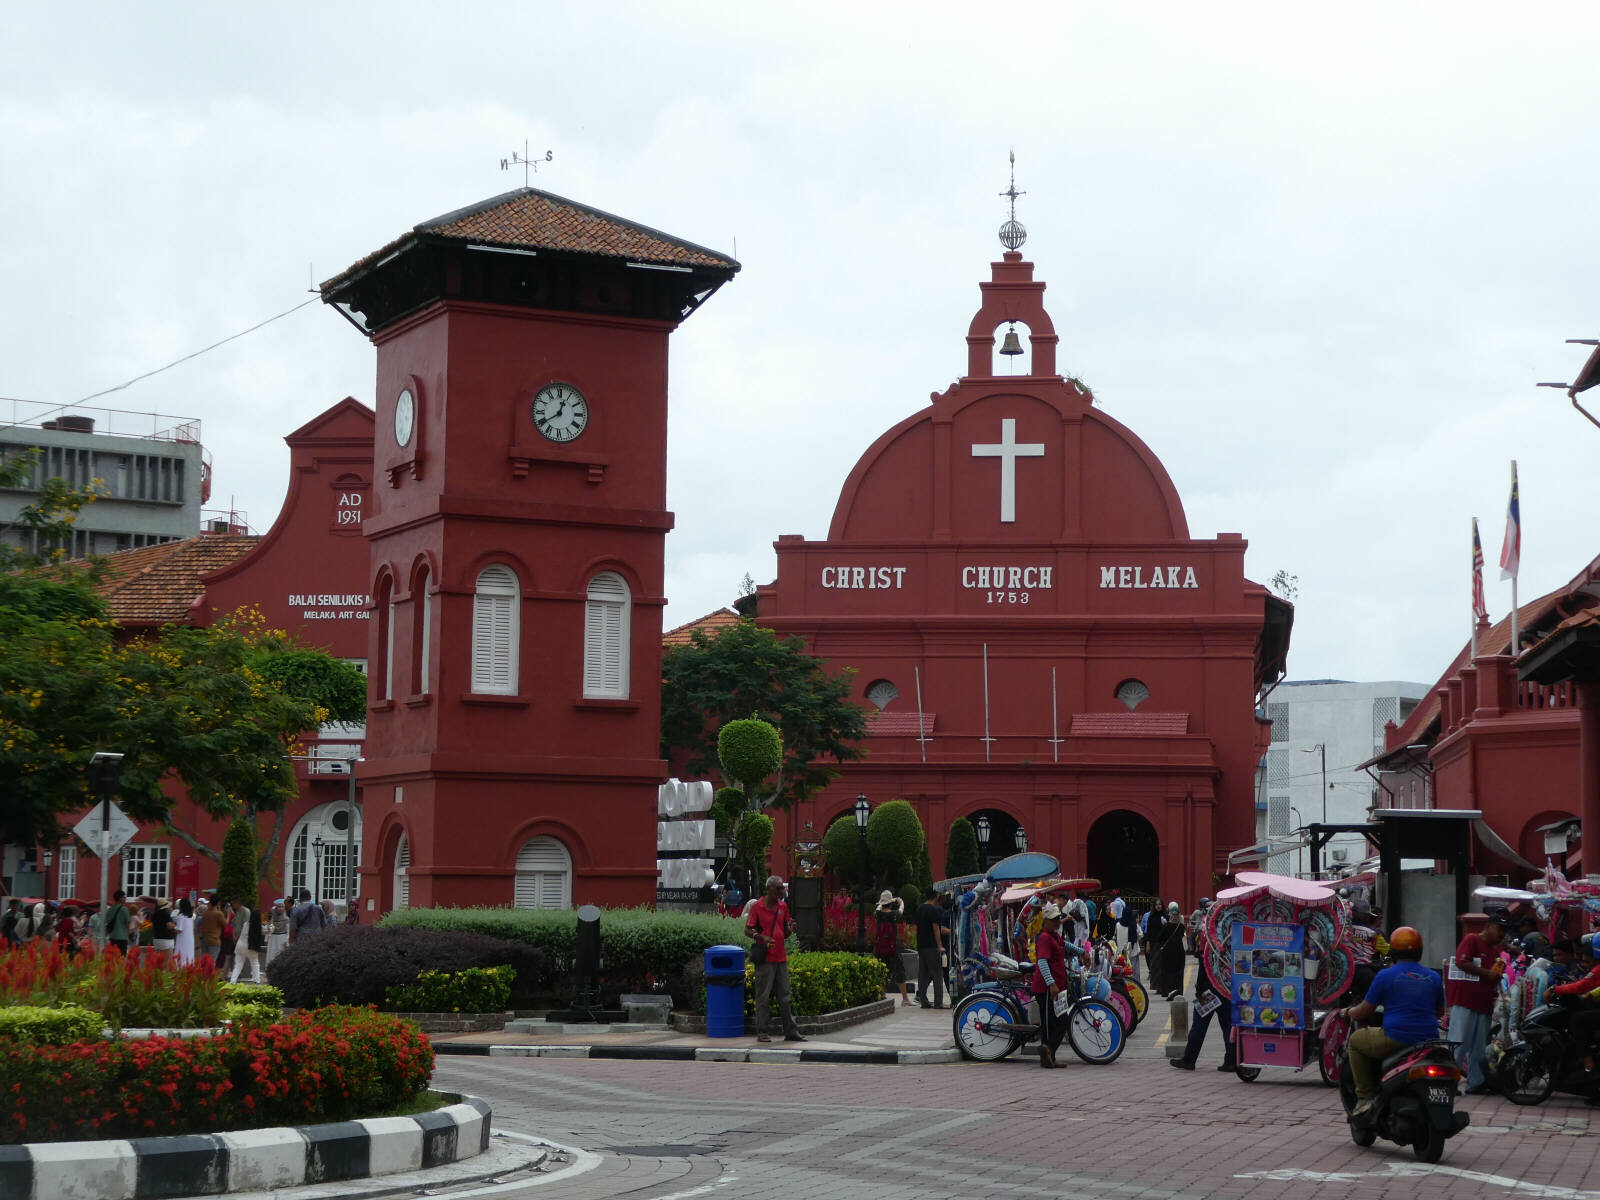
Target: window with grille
{"x":606,"y":626}
{"x":880,"y":693}
{"x":1278,"y":714}
{"x":1277,"y":766}
{"x":144,"y":870}
{"x":1384,"y":710}
{"x":544,"y":875}
{"x":495,"y":632}
{"x":328,"y":883}
{"x":1132,"y":692}
{"x":402,"y":872}
{"x":66,"y":871}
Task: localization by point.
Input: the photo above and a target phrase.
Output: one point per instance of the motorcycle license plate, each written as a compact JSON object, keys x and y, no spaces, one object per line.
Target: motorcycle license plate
{"x":1440,"y":1095}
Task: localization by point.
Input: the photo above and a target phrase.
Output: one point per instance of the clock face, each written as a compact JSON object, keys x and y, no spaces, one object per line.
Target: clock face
{"x":405,"y":418}
{"x":560,"y":412}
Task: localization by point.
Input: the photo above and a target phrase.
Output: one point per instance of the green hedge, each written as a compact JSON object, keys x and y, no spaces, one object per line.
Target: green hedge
{"x":50,"y":1026}
{"x":822,"y":982}
{"x":262,"y":995}
{"x":476,"y":990}
{"x":641,"y":949}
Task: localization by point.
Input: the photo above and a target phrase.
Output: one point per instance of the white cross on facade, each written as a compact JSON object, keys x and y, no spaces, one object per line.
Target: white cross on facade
{"x":1008,"y":450}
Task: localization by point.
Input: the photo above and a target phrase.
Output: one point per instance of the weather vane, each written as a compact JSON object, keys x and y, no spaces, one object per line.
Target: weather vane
{"x":529,"y":165}
{"x":1012,"y":234}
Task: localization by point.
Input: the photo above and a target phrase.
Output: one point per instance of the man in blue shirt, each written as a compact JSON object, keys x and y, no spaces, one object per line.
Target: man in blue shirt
{"x":1412,"y":999}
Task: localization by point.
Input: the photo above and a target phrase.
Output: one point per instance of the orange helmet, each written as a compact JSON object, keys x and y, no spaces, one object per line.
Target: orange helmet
{"x":1406,"y":939}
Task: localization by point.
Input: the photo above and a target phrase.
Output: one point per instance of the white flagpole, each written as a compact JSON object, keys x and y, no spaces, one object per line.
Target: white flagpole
{"x":987,"y":740}
{"x":1518,"y":571}
{"x":1514,"y":615}
{"x":1477,"y":552}
{"x":1055,"y":725}
{"x":922,"y":732}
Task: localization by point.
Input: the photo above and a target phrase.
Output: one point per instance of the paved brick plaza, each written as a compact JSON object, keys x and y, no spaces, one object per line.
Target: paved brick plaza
{"x":1134,"y":1129}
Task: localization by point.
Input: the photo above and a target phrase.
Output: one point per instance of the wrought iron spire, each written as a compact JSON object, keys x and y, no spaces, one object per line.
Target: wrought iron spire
{"x":1012,"y":233}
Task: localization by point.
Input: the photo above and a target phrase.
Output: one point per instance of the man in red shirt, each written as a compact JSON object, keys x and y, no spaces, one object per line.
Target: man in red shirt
{"x":768,"y":925}
{"x":1471,"y":985}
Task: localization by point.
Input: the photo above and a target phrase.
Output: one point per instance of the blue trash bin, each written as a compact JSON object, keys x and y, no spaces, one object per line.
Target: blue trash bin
{"x":725,"y":991}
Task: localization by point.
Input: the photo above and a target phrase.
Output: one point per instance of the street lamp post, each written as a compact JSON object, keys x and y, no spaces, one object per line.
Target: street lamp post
{"x":316,"y":855}
{"x":1300,"y":850}
{"x":983,"y":843}
{"x":1022,"y":839}
{"x":863,"y":811}
{"x":1321,"y":749}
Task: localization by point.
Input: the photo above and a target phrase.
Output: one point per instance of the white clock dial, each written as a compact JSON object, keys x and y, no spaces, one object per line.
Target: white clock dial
{"x":560,"y":412}
{"x":405,"y":418}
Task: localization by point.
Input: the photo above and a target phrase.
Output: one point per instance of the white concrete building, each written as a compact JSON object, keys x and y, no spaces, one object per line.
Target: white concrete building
{"x":1321,"y":728}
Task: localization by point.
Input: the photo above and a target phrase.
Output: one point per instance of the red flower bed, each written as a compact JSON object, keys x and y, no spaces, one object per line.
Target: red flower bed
{"x":142,"y":988}
{"x":332,"y":1064}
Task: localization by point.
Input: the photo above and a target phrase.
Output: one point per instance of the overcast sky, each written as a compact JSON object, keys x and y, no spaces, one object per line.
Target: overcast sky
{"x":1316,"y":257}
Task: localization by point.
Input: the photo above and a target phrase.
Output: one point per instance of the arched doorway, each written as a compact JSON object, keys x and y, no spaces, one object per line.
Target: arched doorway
{"x":1002,"y":841}
{"x":1124,"y":852}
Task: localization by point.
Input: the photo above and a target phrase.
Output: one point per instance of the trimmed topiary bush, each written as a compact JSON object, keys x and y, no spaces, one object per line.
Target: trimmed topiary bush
{"x":236,"y":873}
{"x":822,"y":982}
{"x":749,"y":750}
{"x":642,"y":949}
{"x":961,"y":850}
{"x":359,"y":964}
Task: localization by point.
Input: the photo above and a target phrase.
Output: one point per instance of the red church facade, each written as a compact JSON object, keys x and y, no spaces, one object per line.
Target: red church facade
{"x":1011,"y":574}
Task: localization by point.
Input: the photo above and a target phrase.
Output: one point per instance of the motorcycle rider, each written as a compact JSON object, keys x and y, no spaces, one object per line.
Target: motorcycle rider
{"x":1412,"y":999}
{"x":1586,"y":1021}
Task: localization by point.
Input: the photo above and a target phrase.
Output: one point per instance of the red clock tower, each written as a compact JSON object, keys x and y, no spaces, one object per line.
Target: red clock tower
{"x":516,"y":533}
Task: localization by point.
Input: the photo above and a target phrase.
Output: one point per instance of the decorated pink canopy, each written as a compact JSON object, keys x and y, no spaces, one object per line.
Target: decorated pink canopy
{"x":1047,"y":887}
{"x":1286,"y":887}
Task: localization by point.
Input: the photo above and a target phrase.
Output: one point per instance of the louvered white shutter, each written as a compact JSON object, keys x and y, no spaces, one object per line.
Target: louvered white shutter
{"x":544,"y":875}
{"x":426,"y":601}
{"x":494,"y":632}
{"x":606,"y":627}
{"x":402,"y":873}
{"x":388,"y":650}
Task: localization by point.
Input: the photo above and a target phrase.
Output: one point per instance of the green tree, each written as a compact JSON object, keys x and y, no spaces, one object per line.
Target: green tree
{"x":197,"y":706}
{"x":841,"y":851}
{"x":727,"y":806}
{"x":961,"y":850}
{"x":751,"y":842}
{"x":238,"y":875}
{"x":746,"y":669}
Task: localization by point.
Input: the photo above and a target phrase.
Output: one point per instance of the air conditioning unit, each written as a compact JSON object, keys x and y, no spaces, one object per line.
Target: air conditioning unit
{"x":1339,"y":855}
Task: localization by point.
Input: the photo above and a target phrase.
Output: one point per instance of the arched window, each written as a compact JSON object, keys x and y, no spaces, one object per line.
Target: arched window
{"x":544,"y":875}
{"x":606,"y":626}
{"x":495,"y":632}
{"x":402,"y":872}
{"x":421,"y":631}
{"x":385,"y":612}
{"x":1133,"y":693}
{"x":880,"y":692}
{"x":325,"y":872}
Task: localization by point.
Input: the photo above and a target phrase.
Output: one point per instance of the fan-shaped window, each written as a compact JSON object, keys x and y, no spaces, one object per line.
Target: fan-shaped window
{"x":402,"y":872}
{"x":1133,"y":693}
{"x":880,"y":693}
{"x":495,"y":632}
{"x":544,"y":875}
{"x":606,"y":626}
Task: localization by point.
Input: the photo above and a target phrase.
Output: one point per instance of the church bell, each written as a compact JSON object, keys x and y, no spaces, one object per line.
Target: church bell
{"x":1011,"y":346}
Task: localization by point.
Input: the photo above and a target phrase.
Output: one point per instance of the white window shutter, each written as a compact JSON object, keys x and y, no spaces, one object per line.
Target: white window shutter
{"x":423,"y":651}
{"x":606,"y":629}
{"x":544,"y":875}
{"x":495,"y":632}
{"x":402,"y":873}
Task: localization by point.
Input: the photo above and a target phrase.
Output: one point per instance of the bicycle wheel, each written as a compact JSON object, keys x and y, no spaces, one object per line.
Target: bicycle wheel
{"x":1137,"y":995}
{"x":974,"y":1015}
{"x":1123,"y":1007}
{"x":1524,"y":1076}
{"x":1095,"y":1032}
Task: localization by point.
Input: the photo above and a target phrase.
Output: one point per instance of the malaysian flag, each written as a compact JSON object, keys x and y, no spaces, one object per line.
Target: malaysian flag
{"x":1511,"y":548}
{"x":1480,"y":610}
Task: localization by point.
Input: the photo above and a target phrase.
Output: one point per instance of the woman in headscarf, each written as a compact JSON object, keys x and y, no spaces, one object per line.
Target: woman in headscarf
{"x":1171,"y":952}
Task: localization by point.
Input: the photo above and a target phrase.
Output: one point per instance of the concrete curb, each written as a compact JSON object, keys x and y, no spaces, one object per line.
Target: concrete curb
{"x":252,"y":1160}
{"x":738,"y":1054}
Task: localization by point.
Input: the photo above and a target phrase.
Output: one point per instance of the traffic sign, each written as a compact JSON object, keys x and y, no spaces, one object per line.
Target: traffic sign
{"x":120,"y":828}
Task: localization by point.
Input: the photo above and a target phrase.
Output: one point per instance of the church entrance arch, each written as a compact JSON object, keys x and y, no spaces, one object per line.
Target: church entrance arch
{"x":1003,"y":840}
{"x":1124,"y":852}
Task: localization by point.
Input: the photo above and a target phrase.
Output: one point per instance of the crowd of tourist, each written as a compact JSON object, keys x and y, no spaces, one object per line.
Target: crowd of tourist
{"x":239,"y":942}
